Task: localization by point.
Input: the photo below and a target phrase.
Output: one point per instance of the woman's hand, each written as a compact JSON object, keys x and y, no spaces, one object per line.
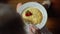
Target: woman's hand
{"x":18,"y":5}
{"x":34,"y":30}
{"x":46,"y":3}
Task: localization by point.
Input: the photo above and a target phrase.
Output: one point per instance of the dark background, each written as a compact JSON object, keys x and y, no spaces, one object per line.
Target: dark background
{"x":53,"y":22}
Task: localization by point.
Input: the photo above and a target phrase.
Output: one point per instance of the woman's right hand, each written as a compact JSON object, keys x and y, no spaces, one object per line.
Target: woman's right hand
{"x":34,"y":30}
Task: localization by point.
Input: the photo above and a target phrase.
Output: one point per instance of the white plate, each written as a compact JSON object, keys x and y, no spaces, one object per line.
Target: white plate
{"x":38,"y":6}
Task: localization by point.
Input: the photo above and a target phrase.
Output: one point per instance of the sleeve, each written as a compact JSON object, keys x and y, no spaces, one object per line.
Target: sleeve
{"x":44,"y":30}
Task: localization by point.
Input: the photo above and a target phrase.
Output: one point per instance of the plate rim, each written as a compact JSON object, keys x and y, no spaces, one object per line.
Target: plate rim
{"x":19,"y":10}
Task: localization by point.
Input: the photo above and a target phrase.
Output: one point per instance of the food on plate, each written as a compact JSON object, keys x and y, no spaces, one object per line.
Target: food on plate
{"x":32,"y":15}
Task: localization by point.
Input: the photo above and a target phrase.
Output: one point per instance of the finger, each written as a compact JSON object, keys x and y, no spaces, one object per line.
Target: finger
{"x":31,"y":32}
{"x":46,"y":2}
{"x":33,"y":29}
{"x":18,"y":5}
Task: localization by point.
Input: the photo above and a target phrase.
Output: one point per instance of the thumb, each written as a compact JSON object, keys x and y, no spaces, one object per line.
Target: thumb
{"x":18,"y":5}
